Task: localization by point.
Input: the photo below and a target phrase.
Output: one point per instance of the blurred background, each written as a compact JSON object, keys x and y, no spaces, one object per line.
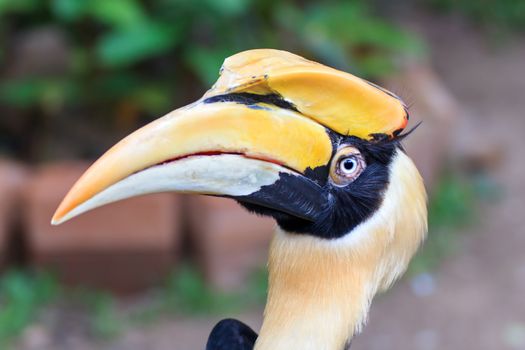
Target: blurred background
{"x":159,"y":271}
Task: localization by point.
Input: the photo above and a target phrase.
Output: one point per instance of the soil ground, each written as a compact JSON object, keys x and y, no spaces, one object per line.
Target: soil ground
{"x":476,"y":300}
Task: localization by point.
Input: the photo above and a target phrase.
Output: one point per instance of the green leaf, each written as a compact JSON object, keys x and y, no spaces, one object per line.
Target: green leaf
{"x":206,"y":62}
{"x":187,"y":292}
{"x":228,"y":8}
{"x":375,"y":65}
{"x":69,"y":10}
{"x":130,"y":45}
{"x":116,"y":85}
{"x":153,"y":98}
{"x":19,"y":6}
{"x":104,"y":322}
{"x":21,"y":296}
{"x":48,"y":93}
{"x":80,"y":62}
{"x":21,"y":93}
{"x":117,"y":13}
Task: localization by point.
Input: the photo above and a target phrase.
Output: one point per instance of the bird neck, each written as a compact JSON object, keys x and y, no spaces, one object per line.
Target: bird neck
{"x":320,"y":290}
{"x":317,"y":299}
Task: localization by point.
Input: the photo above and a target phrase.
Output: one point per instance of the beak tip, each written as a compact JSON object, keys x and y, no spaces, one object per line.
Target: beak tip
{"x":56,"y":220}
{"x":59,"y":216}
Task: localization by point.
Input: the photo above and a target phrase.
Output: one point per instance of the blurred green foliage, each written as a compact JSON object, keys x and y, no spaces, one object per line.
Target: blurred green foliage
{"x":22,"y":294}
{"x":186,"y":292}
{"x":130,"y":60}
{"x":99,"y":308}
{"x":498,"y":15}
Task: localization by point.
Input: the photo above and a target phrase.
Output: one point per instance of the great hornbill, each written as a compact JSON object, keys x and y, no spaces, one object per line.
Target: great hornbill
{"x":315,"y":148}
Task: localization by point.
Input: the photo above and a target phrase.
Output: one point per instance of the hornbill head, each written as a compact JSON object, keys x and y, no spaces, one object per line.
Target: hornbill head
{"x":313,"y":147}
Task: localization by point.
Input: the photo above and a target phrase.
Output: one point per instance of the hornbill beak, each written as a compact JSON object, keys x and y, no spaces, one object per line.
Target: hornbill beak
{"x":253,"y":136}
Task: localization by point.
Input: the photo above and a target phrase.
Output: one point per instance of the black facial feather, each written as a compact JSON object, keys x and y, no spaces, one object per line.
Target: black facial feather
{"x":340,"y":209}
{"x":296,"y":196}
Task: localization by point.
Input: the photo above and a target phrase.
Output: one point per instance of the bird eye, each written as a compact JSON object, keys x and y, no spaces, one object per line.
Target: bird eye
{"x":347,"y":165}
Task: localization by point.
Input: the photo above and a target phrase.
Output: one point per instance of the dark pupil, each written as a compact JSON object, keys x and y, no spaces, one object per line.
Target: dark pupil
{"x":349,"y":164}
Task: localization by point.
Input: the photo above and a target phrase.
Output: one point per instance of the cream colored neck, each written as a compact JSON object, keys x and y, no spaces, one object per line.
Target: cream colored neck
{"x":320,"y":290}
{"x":306,"y":309}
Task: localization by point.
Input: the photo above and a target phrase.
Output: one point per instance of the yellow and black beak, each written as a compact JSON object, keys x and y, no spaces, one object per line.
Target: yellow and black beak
{"x":267,"y":118}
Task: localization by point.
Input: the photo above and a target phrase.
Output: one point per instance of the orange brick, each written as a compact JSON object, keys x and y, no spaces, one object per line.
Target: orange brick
{"x":230,"y":242}
{"x":123,"y":246}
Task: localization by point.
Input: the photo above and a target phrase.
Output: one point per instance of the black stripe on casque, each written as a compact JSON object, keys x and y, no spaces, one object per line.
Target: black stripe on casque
{"x":249,"y":99}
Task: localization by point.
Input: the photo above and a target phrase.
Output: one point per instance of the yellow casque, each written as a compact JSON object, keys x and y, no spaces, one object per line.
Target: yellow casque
{"x":340,"y":101}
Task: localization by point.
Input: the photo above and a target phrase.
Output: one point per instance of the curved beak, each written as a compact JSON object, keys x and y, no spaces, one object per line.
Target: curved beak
{"x":218,"y":148}
{"x":253,"y":137}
